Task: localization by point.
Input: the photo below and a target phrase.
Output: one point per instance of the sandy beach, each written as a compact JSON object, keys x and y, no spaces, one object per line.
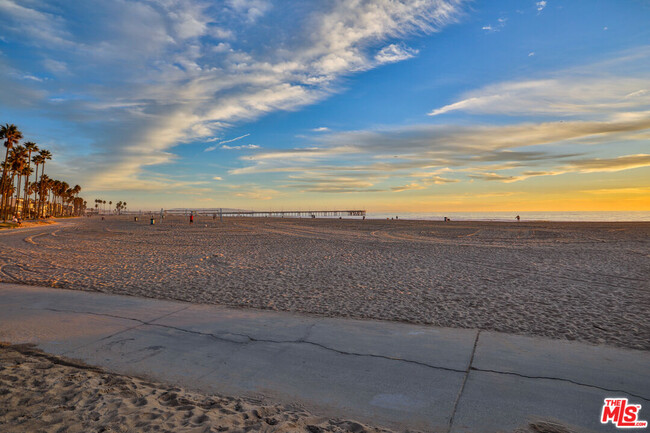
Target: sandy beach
{"x":575,"y":281}
{"x":46,"y":393}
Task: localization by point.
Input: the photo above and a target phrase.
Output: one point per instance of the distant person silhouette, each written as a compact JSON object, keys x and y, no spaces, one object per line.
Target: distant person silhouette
{"x":191,"y":219}
{"x":518,"y":217}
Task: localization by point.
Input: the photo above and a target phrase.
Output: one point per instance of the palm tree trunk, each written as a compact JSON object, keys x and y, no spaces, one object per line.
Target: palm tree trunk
{"x":13,"y":182}
{"x":40,"y":192}
{"x":26,"y":199}
{"x":18,"y":191}
{"x":35,"y":191}
{"x":2,"y":190}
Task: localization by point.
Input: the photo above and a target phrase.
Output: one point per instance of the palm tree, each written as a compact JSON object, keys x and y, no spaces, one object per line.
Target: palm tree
{"x":17,"y":164}
{"x":45,"y":155}
{"x":31,"y":147}
{"x":11,"y":135}
{"x":44,"y":192}
{"x":26,"y":173}
{"x":61,"y":192}
{"x":77,"y":204}
{"x":37,"y":160}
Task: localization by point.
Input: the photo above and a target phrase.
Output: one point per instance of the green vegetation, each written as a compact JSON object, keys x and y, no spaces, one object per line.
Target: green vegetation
{"x":50,"y":197}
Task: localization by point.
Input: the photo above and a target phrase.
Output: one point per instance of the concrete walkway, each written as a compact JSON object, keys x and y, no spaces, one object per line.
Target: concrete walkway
{"x":388,"y":374}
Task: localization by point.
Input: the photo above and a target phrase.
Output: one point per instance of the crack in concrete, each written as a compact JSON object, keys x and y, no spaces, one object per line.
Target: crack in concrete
{"x":512,"y":373}
{"x":462,"y":386}
{"x":249,"y":339}
{"x":141,"y":323}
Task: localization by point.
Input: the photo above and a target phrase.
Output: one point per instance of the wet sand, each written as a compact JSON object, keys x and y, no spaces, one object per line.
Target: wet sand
{"x":576,"y":281}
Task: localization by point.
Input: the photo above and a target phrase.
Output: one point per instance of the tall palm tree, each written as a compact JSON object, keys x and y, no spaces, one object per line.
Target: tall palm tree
{"x":11,"y":135}
{"x":37,"y":160}
{"x":26,"y":172}
{"x":17,"y":165}
{"x":31,"y":147}
{"x":45,"y":155}
{"x":77,"y":204}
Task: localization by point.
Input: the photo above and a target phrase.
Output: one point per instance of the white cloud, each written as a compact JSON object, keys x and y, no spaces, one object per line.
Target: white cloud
{"x":217,"y":178}
{"x":210,"y":148}
{"x":46,"y":28}
{"x":171,"y":82}
{"x":55,"y":66}
{"x":540,"y":5}
{"x":567,"y":96}
{"x":252,"y":9}
{"x":234,"y":139}
{"x":501,"y":23}
{"x":31,"y":77}
{"x":321,"y":129}
{"x":243,"y":146}
{"x":531,"y":54}
{"x":481,"y":151}
{"x":394,"y":53}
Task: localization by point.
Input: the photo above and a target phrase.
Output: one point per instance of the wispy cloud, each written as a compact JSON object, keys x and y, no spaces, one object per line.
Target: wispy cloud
{"x":501,"y":23}
{"x":193,"y":71}
{"x":410,"y":186}
{"x":566,"y":96}
{"x":242,"y":146}
{"x":540,"y":5}
{"x":395,"y":53}
{"x":224,"y":146}
{"x":32,"y":78}
{"x":234,"y":139}
{"x":445,"y":154}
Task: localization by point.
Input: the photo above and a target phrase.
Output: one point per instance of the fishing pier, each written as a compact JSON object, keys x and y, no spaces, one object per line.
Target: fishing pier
{"x":269,"y":213}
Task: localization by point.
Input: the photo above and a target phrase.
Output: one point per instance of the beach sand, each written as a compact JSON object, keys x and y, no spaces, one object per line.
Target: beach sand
{"x":576,"y":281}
{"x":52,"y":394}
{"x":45,"y":393}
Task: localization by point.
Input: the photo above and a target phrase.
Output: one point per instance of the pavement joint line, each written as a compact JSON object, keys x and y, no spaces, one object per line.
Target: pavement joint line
{"x":304,"y":340}
{"x":462,"y":386}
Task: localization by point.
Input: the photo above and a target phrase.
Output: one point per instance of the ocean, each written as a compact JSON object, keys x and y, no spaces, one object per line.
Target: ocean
{"x":525,"y":216}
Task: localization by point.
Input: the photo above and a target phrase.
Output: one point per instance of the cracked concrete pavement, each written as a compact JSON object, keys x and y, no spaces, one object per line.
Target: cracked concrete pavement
{"x":389,"y":374}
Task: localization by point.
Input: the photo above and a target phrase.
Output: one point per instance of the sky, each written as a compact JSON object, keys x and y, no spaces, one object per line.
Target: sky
{"x":412,"y":105}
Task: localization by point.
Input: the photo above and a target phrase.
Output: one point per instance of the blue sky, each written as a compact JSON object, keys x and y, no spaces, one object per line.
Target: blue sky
{"x":420,"y":105}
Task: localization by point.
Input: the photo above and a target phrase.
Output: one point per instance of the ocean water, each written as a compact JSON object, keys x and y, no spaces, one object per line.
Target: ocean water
{"x":525,"y":216}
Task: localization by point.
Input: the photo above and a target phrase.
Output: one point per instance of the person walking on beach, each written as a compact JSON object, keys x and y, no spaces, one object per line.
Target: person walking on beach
{"x":191,"y":218}
{"x":518,"y":217}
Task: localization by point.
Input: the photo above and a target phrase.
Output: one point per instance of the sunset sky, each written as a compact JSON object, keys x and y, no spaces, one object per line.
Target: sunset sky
{"x":423,"y":105}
